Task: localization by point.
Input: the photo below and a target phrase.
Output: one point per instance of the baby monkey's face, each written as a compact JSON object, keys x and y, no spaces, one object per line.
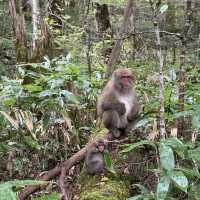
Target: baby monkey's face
{"x":101,"y":148}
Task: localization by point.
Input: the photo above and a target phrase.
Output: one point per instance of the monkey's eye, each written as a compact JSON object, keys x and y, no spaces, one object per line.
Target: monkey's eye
{"x":127,"y":77}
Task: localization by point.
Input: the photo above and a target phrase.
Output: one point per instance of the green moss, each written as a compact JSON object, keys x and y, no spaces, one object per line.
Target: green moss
{"x":104,"y":188}
{"x":52,"y":196}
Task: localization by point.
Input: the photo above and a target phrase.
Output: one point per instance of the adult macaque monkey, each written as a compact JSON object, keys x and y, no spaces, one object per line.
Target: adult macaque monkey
{"x":118,"y":104}
{"x":94,"y":161}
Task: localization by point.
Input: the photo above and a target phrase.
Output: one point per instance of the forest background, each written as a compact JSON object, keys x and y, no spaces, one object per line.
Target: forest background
{"x":55,"y":58}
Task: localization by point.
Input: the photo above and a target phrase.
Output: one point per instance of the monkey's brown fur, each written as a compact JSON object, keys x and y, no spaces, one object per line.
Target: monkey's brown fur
{"x":94,"y":161}
{"x":118,"y":104}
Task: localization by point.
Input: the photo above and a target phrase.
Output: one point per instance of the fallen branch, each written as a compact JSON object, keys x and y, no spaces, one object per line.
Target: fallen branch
{"x":64,"y":167}
{"x":67,"y":165}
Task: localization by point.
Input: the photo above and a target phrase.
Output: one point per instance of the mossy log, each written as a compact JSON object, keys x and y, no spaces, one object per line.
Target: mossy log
{"x":108,"y":187}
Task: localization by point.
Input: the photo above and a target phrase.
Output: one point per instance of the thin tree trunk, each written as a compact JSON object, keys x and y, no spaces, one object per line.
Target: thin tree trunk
{"x":89,"y":45}
{"x":19,"y":31}
{"x":35,"y":22}
{"x":161,"y":80}
{"x":128,"y":11}
{"x":41,"y":41}
{"x":183,"y":65}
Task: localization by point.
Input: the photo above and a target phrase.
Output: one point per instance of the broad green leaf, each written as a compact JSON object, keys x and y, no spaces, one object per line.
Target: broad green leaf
{"x":7,"y":194}
{"x":174,"y":142}
{"x":163,"y":187}
{"x":166,"y":156}
{"x":189,"y":172}
{"x":177,"y":145}
{"x":194,"y":154}
{"x":163,"y":8}
{"x":131,"y":147}
{"x":108,"y":162}
{"x":179,"y":179}
{"x":194,"y":192}
{"x":33,"y":88}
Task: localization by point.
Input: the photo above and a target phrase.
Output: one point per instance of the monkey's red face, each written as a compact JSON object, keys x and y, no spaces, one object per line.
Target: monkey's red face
{"x":123,"y":78}
{"x":101,"y":148}
{"x":126,"y":80}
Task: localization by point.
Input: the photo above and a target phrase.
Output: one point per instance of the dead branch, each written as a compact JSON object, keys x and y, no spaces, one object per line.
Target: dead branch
{"x":62,"y":168}
{"x":66,"y":166}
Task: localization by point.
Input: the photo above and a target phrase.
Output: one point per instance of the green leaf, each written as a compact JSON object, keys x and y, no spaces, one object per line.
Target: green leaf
{"x":33,"y":144}
{"x":166,"y":157}
{"x":131,"y":147}
{"x":138,"y":197}
{"x":19,"y":183}
{"x":33,"y":88}
{"x":52,"y":196}
{"x":194,"y":192}
{"x":7,"y":194}
{"x":163,"y":187}
{"x":177,"y":145}
{"x":140,"y":123}
{"x":194,"y":154}
{"x":69,"y":96}
{"x":179,"y":179}
{"x":45,"y":120}
{"x":189,"y":172}
{"x":108,"y":162}
{"x":9,"y":101}
{"x":174,"y":142}
{"x":182,"y":114}
{"x":163,"y":8}
{"x":143,"y":189}
{"x":196,"y":121}
{"x":47,"y":93}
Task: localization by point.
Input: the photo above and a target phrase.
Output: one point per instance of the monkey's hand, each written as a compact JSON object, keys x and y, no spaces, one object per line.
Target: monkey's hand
{"x":121,"y":109}
{"x":117,"y":106}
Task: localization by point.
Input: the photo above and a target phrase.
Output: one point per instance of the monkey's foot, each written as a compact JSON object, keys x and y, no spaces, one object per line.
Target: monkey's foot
{"x":116,"y":133}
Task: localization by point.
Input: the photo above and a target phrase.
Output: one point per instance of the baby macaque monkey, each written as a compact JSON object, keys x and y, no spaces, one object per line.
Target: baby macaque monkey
{"x":94,"y":158}
{"x":118,"y":105}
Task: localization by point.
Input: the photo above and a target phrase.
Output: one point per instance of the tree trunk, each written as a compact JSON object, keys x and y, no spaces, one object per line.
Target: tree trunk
{"x":19,"y":31}
{"x":35,"y":22}
{"x":128,"y":11}
{"x":41,"y":41}
{"x":183,"y":66}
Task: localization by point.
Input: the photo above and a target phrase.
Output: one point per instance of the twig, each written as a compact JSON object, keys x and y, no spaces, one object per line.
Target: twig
{"x":66,"y":165}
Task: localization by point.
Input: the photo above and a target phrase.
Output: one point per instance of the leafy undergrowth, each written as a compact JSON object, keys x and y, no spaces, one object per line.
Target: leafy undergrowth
{"x":48,"y":112}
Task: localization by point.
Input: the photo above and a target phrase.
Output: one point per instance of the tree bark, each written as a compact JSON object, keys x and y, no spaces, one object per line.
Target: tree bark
{"x":128,"y":11}
{"x":35,"y":22}
{"x":19,"y":31}
{"x":161,"y":80}
{"x":183,"y":66}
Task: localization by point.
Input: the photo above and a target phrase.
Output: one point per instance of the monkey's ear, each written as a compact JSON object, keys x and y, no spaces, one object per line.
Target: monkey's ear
{"x":134,"y":77}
